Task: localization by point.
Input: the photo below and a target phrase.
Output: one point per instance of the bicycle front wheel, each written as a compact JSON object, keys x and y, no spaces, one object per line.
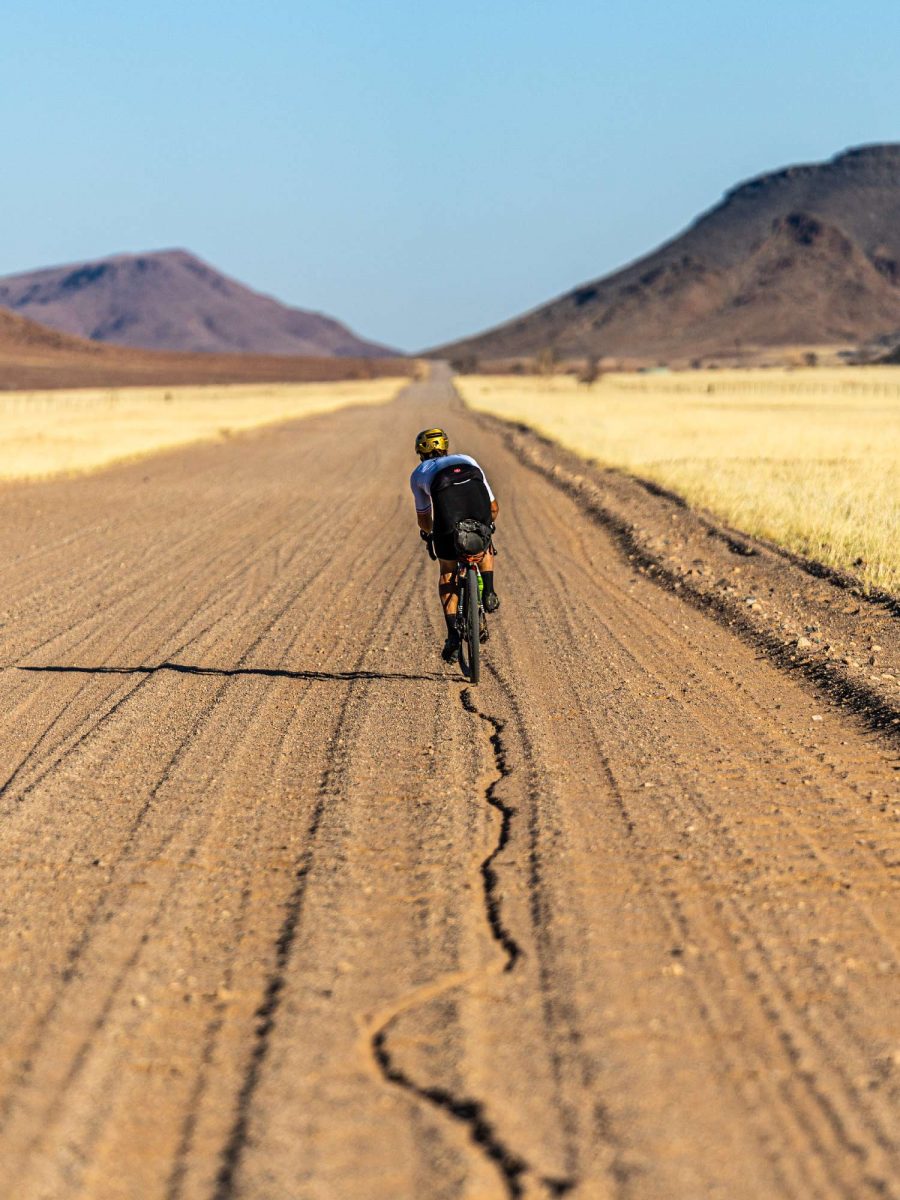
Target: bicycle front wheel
{"x":473,"y":623}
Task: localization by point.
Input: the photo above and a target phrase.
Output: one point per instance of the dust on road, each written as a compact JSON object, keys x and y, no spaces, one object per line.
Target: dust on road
{"x":290,"y":913}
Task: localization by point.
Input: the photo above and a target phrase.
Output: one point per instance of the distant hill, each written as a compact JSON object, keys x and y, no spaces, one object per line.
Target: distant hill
{"x":171,"y":300}
{"x":809,"y":254}
{"x":21,"y":337}
{"x":35,"y":357}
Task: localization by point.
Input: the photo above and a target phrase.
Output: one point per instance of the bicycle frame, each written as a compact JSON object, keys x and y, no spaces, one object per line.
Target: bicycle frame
{"x":463,"y":567}
{"x":469,"y":623}
{"x":469,"y":620}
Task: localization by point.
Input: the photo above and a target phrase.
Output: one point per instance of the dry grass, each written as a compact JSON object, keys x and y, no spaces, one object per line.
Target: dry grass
{"x":806,"y":458}
{"x":44,"y":433}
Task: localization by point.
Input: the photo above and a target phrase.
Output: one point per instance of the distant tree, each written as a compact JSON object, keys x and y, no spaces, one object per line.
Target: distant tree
{"x":591,"y":372}
{"x":547,"y":359}
{"x":810,"y":359}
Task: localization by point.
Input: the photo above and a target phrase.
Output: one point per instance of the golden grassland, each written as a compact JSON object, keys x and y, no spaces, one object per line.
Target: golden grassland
{"x":45,"y":433}
{"x":806,"y":458}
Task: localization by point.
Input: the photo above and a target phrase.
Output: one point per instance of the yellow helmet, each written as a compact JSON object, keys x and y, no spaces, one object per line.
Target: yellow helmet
{"x":431,"y":441}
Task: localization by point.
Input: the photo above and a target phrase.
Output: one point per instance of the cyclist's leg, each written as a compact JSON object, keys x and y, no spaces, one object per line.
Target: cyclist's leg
{"x":447,"y":581}
{"x":491,"y":600}
{"x":448,"y":592}
{"x":447,"y":589}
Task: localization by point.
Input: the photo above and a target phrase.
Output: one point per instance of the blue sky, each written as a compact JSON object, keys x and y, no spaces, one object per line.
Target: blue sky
{"x":418,"y":170}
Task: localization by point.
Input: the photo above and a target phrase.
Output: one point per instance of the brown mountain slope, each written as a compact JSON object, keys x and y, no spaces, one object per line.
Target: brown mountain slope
{"x":33,"y":357}
{"x":171,"y":300}
{"x":809,"y":254}
{"x":19,"y":337}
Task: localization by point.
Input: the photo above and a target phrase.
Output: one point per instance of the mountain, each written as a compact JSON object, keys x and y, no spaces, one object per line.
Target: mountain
{"x":809,"y":254}
{"x":20,"y":337}
{"x":171,"y":300}
{"x":35,"y":357}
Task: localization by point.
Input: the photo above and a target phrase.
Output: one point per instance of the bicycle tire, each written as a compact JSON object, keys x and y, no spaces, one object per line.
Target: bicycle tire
{"x":473,"y":630}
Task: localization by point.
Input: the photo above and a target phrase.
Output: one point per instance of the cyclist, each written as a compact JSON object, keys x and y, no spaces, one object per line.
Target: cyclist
{"x":449,"y":488}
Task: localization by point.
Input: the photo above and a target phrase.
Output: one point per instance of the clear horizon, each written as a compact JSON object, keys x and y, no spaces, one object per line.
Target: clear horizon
{"x":418,"y":175}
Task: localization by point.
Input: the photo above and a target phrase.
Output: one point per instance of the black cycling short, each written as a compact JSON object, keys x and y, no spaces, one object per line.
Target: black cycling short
{"x":457,"y":494}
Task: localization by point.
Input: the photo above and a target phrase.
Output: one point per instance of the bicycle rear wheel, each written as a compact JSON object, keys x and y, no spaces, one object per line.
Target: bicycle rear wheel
{"x":473,"y":630}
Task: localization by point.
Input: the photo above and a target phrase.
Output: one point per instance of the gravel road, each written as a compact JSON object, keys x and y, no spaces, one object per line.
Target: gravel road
{"x":289,"y":912}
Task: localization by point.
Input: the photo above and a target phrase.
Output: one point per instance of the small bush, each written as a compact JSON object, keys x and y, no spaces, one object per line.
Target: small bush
{"x":591,"y":372}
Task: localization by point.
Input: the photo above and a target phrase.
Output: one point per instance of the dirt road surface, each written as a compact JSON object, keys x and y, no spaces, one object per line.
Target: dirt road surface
{"x":290,"y":913}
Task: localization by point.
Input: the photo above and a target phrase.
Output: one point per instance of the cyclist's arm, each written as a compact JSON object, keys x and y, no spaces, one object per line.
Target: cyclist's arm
{"x":422,"y":499}
{"x":495,"y":508}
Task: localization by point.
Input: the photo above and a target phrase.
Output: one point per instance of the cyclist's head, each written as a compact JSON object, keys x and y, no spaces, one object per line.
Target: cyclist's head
{"x":431,"y":443}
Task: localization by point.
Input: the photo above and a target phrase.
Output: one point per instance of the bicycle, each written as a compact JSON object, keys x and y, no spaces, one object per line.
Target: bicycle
{"x":470,"y":619}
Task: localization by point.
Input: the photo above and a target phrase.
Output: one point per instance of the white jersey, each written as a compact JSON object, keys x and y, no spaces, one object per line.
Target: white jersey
{"x":422,"y":476}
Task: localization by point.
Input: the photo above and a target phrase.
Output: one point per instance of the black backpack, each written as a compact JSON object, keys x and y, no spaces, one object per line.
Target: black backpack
{"x":471,"y":537}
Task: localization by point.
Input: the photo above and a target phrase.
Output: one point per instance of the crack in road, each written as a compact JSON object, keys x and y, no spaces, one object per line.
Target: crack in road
{"x":512,"y":1167}
{"x":233,"y":672}
{"x":499,"y":931}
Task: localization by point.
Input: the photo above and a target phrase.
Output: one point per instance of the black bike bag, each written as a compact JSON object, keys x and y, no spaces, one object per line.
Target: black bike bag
{"x":471,"y":537}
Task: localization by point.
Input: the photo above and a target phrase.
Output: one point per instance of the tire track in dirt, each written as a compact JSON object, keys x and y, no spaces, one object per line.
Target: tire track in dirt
{"x":236,"y":583}
{"x":827,"y":1109}
{"x":77,"y":950}
{"x":267,"y":1013}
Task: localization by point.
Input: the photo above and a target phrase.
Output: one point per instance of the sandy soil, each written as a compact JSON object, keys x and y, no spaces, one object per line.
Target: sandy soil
{"x":46,"y":433}
{"x":290,"y":913}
